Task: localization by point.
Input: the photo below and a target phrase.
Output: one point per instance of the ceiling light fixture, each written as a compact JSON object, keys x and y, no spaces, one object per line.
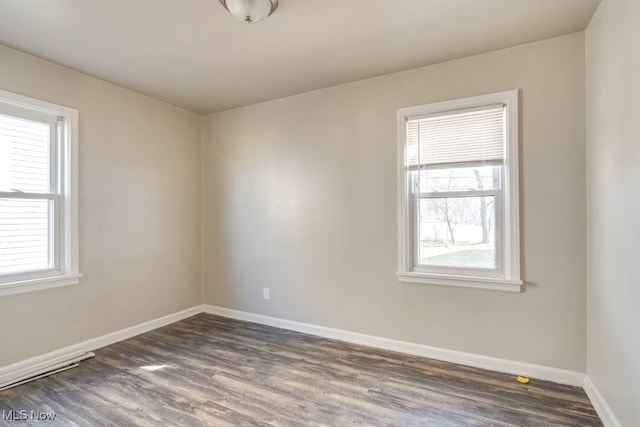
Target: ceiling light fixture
{"x":250,"y":11}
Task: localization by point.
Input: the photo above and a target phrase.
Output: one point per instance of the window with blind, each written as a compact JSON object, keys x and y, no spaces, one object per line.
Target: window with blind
{"x":38,"y":220}
{"x":458,"y":186}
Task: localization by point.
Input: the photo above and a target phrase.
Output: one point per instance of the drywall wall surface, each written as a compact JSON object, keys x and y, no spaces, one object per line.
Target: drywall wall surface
{"x":613,"y":172}
{"x":300,"y":195}
{"x":139,"y":211}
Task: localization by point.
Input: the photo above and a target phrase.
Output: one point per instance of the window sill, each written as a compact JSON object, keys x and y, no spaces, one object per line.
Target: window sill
{"x":491,"y":283}
{"x":31,"y":285}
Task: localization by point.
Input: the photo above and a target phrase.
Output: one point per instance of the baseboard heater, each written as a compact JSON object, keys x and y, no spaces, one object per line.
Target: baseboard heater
{"x":44,"y":369}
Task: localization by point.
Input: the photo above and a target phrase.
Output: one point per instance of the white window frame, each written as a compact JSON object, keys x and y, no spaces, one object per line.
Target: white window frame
{"x":64,"y":191}
{"x":507,"y":276}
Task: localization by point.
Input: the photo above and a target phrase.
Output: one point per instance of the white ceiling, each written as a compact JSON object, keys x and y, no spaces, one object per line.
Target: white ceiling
{"x":194,"y":54}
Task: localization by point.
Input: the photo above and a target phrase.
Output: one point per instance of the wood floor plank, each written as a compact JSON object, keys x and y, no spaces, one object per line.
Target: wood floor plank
{"x":212,"y":371}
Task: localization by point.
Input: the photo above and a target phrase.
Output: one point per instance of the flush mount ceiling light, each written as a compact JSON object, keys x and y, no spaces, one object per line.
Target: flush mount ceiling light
{"x":250,"y":11}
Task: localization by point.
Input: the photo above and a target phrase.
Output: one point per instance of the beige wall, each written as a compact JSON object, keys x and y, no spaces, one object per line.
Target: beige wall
{"x":613,"y":172}
{"x":300,"y":196}
{"x":140,"y":213}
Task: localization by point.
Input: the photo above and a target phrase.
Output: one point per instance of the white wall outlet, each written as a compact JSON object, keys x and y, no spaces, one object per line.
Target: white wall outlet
{"x":266,"y":293}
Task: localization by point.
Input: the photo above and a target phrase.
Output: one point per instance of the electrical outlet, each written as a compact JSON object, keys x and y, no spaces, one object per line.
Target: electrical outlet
{"x":266,"y":293}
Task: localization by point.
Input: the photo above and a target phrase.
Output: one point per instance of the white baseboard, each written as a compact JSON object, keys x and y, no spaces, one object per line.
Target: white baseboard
{"x":39,"y":364}
{"x":545,"y":373}
{"x":600,"y":404}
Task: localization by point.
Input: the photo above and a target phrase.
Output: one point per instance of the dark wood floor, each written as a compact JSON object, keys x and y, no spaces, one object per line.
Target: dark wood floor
{"x":212,"y":371}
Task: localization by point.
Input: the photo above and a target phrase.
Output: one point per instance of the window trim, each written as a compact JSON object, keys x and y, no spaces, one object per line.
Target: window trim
{"x":508,"y":279}
{"x":67,"y":270}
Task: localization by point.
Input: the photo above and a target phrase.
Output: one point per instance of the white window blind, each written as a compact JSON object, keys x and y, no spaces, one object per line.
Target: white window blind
{"x":472,"y":136}
{"x":24,"y":145}
{"x":25,"y":217}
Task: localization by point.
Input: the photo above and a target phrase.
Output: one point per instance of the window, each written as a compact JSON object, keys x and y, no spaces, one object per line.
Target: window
{"x":38,"y":209}
{"x":458,"y":193}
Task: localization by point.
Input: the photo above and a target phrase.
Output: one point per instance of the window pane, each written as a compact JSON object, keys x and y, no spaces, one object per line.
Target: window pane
{"x":460,"y":179}
{"x":24,"y":155}
{"x":457,"y":232}
{"x":24,"y":235}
